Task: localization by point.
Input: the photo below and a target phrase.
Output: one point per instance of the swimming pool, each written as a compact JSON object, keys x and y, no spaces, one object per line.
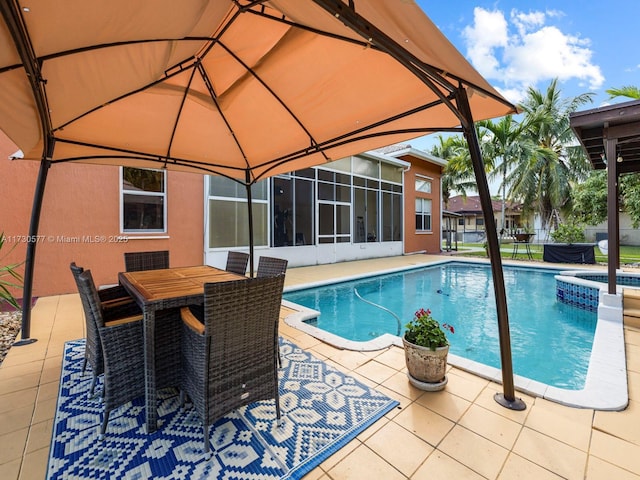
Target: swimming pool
{"x":551,"y":341}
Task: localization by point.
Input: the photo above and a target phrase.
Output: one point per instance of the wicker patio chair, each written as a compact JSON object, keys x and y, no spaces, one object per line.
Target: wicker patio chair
{"x":155,"y":260}
{"x":228,"y":357}
{"x":237,"y":262}
{"x":116,"y":304}
{"x":123,"y":347}
{"x":115,"y":300}
{"x":270,"y":266}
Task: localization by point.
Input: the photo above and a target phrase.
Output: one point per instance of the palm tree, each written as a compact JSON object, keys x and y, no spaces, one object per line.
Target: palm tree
{"x":458,"y":174}
{"x":545,"y":180}
{"x":628,"y":91}
{"x":505,"y":145}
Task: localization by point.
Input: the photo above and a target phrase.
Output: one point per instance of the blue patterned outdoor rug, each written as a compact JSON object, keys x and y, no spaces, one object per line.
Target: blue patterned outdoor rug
{"x":322,"y":410}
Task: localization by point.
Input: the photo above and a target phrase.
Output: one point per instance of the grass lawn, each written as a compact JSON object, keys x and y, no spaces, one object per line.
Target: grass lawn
{"x":628,"y":254}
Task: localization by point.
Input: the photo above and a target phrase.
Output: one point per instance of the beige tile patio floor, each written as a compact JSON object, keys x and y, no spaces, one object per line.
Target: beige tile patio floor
{"x":459,"y":433}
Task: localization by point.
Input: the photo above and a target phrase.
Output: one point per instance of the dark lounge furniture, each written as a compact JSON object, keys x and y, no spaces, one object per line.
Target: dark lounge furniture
{"x":271,"y":266}
{"x":237,"y":262}
{"x":116,"y":304}
{"x":229,"y":355}
{"x":123,"y":347}
{"x":569,"y":253}
{"x":154,"y":260}
{"x":161,"y":294}
{"x":121,"y":344}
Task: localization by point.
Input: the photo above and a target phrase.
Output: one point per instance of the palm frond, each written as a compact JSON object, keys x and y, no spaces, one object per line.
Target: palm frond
{"x":628,"y":91}
{"x":9,"y":277}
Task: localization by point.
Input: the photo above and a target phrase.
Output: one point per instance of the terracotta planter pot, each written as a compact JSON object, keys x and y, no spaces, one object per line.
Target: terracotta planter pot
{"x":426,"y":365}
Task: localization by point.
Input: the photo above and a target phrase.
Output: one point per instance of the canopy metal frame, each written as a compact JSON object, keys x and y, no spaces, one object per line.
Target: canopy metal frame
{"x":451,"y":91}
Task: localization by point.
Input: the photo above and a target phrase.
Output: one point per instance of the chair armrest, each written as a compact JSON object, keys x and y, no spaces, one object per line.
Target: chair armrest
{"x":190,"y":320}
{"x":113,"y":293}
{"x":115,"y":311}
{"x":120,"y":321}
{"x":116,"y":302}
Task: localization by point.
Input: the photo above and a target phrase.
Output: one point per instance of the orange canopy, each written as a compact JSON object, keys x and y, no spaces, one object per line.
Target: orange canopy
{"x":240,"y":88}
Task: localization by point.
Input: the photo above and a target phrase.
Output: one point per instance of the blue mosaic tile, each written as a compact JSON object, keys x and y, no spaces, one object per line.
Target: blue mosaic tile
{"x":579,"y":296}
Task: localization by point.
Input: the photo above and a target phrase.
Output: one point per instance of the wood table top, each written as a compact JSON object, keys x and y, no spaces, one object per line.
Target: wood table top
{"x":175,"y":282}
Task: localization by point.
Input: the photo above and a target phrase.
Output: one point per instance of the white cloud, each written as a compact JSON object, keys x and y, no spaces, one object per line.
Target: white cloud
{"x":488,"y":33}
{"x":527,"y":50}
{"x":526,"y":21}
{"x":547,"y":53}
{"x":514,"y":95}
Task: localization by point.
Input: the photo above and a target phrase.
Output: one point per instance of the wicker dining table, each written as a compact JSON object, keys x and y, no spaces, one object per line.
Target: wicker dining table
{"x":158,"y":290}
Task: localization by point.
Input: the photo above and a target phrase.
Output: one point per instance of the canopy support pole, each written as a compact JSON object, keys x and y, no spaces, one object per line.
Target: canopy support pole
{"x":507,"y":398}
{"x":613,"y":225}
{"x":12,"y":16}
{"x":27,"y":288}
{"x":247,"y":184}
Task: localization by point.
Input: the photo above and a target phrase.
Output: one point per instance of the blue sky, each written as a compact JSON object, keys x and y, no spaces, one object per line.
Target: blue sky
{"x":590,"y":46}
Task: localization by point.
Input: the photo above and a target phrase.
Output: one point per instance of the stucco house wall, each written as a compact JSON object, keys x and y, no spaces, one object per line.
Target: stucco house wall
{"x":80,"y":221}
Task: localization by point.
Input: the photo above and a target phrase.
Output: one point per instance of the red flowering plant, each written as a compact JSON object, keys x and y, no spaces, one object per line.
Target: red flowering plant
{"x":425,"y":331}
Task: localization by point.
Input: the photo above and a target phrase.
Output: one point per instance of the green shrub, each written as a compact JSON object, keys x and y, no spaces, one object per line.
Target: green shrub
{"x":568,"y":233}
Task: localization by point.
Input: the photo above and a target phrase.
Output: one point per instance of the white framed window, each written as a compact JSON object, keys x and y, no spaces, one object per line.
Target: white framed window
{"x":334,"y":222}
{"x":423,"y":184}
{"x":423,"y":214}
{"x":143,"y":200}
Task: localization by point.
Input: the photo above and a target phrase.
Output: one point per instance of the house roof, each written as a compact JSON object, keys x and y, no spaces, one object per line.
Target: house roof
{"x":390,"y":149}
{"x":420,"y":154}
{"x":401,"y":149}
{"x":447,"y":213}
{"x":471,"y":204}
{"x":376,"y":155}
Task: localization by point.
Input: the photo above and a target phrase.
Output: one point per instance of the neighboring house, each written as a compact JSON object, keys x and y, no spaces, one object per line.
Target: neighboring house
{"x":471,"y":225}
{"x":375,"y":204}
{"x":628,"y":235}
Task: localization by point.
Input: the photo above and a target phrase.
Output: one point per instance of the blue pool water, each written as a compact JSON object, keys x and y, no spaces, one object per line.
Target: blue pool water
{"x":550,"y":341}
